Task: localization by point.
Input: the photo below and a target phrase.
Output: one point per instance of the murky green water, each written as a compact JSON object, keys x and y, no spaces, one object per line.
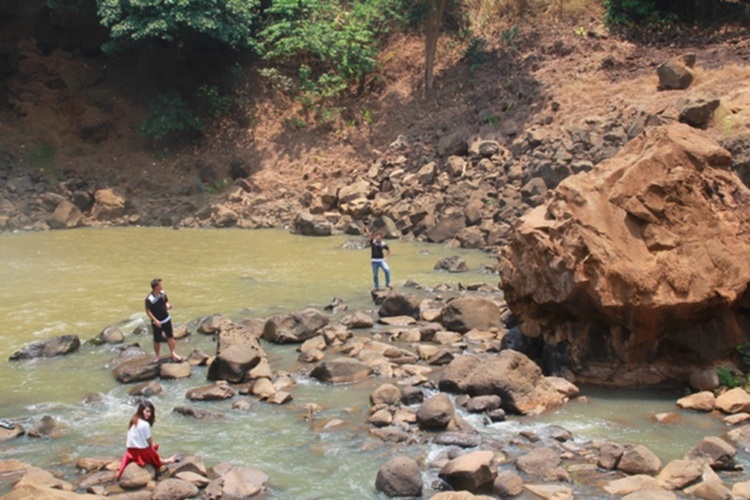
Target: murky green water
{"x":78,"y":282}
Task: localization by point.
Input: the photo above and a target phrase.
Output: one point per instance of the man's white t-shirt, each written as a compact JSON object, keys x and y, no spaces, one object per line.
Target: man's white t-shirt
{"x":139,"y":434}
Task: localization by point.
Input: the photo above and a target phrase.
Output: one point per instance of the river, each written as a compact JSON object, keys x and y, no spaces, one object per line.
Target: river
{"x":80,"y":281}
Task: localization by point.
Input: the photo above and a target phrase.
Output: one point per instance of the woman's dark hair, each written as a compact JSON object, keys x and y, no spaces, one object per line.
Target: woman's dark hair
{"x":142,"y":405}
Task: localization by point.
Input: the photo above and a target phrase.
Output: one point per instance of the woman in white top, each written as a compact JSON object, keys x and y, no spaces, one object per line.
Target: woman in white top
{"x":140,"y":448}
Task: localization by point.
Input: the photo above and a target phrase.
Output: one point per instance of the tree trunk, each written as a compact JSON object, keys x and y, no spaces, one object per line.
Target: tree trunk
{"x":432,"y":31}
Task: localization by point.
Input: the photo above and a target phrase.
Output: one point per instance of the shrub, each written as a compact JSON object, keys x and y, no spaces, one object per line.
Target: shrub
{"x":170,"y":117}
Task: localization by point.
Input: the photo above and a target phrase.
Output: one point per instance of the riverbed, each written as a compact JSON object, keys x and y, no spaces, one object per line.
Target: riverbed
{"x":81,"y":281}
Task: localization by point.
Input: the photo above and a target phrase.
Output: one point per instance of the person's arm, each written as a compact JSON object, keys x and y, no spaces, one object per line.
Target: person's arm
{"x":166,"y":301}
{"x":387,"y":251}
{"x":151,"y":315}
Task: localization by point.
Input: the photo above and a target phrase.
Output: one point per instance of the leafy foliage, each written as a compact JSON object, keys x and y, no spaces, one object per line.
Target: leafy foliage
{"x":130,"y":22}
{"x":170,"y":116}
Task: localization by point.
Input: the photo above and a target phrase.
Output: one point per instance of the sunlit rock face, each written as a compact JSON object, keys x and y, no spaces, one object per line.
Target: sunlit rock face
{"x":637,"y":271}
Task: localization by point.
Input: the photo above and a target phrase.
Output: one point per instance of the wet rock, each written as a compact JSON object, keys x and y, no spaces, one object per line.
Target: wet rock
{"x":147,"y":389}
{"x":735,"y":400}
{"x":468,"y":313}
{"x":398,"y":304}
{"x":294,"y":327}
{"x":243,"y":482}
{"x":237,"y":352}
{"x":639,"y":460}
{"x":469,"y":472}
{"x":436,"y":413}
{"x":701,"y":401}
{"x":212,"y":392}
{"x":381,"y":418}
{"x":481,"y":404}
{"x":110,"y":335}
{"x":452,"y":264}
{"x":543,"y":463}
{"x":55,"y":346}
{"x":609,"y":455}
{"x":741,"y":437}
{"x":631,"y":484}
{"x":390,"y":434}
{"x":198,"y":413}
{"x":307,"y":224}
{"x":358,"y":319}
{"x":136,"y":370}
{"x":197,"y":358}
{"x":678,"y":474}
{"x":135,"y":477}
{"x":174,"y":489}
{"x":387,"y":394}
{"x":511,"y":375}
{"x":715,"y":451}
{"x":550,"y":491}
{"x":341,"y":371}
{"x":507,"y":484}
{"x":14,"y":432}
{"x":564,"y":387}
{"x":460,"y":439}
{"x":399,"y":477}
{"x":89,"y":464}
{"x":741,"y":489}
{"x":198,"y":480}
{"x":411,"y":395}
{"x":440,"y":358}
{"x":99,"y":477}
{"x":181,"y":369}
{"x":212,"y":324}
{"x":47,"y":427}
{"x":710,"y":486}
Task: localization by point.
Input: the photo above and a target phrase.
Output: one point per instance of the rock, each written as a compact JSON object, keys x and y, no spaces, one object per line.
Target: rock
{"x":390,"y":434}
{"x":197,"y":413}
{"x":454,"y":143}
{"x":387,"y":394}
{"x":460,"y":439}
{"x":174,"y":489}
{"x":507,"y":484}
{"x":697,"y":112}
{"x":543,"y":463}
{"x":452,"y":264}
{"x":674,"y":74}
{"x":678,"y":474}
{"x":639,"y":460}
{"x":110,"y":335}
{"x":630,"y":484}
{"x":108,"y":205}
{"x":735,"y":400}
{"x":564,"y":387}
{"x":211,"y":392}
{"x":710,"y":486}
{"x":89,"y":464}
{"x":715,"y":452}
{"x":14,"y":432}
{"x":399,"y":477}
{"x":511,"y":375}
{"x":135,"y":477}
{"x":358,"y":319}
{"x":468,"y":313}
{"x":55,"y":346}
{"x":212,"y":324}
{"x":89,"y":481}
{"x":307,"y":224}
{"x":237,"y":352}
{"x":411,"y":395}
{"x":136,"y":370}
{"x":701,"y":401}
{"x":741,"y":437}
{"x":147,"y":389}
{"x":741,"y":490}
{"x":294,"y":327}
{"x":481,"y":404}
{"x":469,"y":472}
{"x":65,"y":216}
{"x":398,"y":304}
{"x":182,"y":369}
{"x":47,"y":427}
{"x":341,"y":371}
{"x":618,"y":250}
{"x":704,"y":380}
{"x":446,"y":228}
{"x":243,"y":482}
{"x":436,"y":413}
{"x":550,"y":491}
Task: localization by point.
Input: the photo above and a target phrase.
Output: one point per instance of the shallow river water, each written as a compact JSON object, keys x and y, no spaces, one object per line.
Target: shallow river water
{"x":80,"y":281}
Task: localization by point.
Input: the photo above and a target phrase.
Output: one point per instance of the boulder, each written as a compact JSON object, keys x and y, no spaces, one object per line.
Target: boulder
{"x":446,"y":228}
{"x":174,"y":489}
{"x":511,"y":375}
{"x":358,"y":319}
{"x":632,"y":484}
{"x":469,"y":472}
{"x":136,"y":370}
{"x":147,"y":389}
{"x":341,"y":371}
{"x":639,"y":460}
{"x":741,"y":437}
{"x":237,"y":352}
{"x":211,"y":392}
{"x":543,"y":463}
{"x":47,"y":427}
{"x":398,"y":304}
{"x":307,"y":224}
{"x":481,"y":404}
{"x":197,"y":413}
{"x":697,"y":111}
{"x":735,"y":400}
{"x":468,"y":313}
{"x":182,"y":369}
{"x":700,"y":401}
{"x":675,"y":74}
{"x":507,"y":484}
{"x":715,"y":452}
{"x":436,"y":413}
{"x":110,"y":335}
{"x":12,"y":433}
{"x":452,"y":264}
{"x":294,"y":327}
{"x":243,"y":482}
{"x":108,"y":205}
{"x":65,"y":216}
{"x":135,"y":477}
{"x":387,"y":394}
{"x":399,"y":477}
{"x":55,"y":346}
{"x":628,"y":264}
{"x":680,"y":473}
{"x":711,"y":486}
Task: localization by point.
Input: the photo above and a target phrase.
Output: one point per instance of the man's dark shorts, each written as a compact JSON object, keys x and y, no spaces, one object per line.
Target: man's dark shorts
{"x":165,"y":328}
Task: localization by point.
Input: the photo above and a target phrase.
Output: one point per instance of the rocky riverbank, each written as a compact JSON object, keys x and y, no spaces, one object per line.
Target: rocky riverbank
{"x":442,"y":355}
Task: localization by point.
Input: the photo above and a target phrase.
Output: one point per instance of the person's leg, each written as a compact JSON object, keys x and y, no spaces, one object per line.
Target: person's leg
{"x":387,"y":272}
{"x":156,"y":332}
{"x":169,"y":334}
{"x":375,"y":266}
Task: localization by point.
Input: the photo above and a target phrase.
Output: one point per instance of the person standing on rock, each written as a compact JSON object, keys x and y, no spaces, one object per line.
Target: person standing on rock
{"x":157,"y":309}
{"x":379,"y":252}
{"x":140,"y":447}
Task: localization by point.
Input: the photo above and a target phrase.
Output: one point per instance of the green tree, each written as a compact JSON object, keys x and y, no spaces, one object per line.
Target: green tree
{"x":132,"y":22}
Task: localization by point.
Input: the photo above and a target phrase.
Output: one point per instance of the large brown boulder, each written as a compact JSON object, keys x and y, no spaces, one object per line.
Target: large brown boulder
{"x":108,"y":205}
{"x":469,"y":472}
{"x":400,"y":477}
{"x":639,"y":266}
{"x":341,"y":371}
{"x":136,"y":370}
{"x":436,"y":413}
{"x":55,"y":346}
{"x":65,"y":216}
{"x":294,"y":327}
{"x":511,"y":375}
{"x":237,"y":352}
{"x":467,"y":313}
{"x":174,"y":489}
{"x":399,"y":304}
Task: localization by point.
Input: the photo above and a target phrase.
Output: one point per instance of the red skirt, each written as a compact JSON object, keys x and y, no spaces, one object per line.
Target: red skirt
{"x":142,"y":457}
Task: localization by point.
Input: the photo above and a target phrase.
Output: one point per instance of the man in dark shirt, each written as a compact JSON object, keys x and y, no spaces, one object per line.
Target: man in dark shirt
{"x":157,"y":309}
{"x":379,"y":252}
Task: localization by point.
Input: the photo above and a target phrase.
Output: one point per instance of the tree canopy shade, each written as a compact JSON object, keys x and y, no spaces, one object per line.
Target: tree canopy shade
{"x":232,"y":22}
